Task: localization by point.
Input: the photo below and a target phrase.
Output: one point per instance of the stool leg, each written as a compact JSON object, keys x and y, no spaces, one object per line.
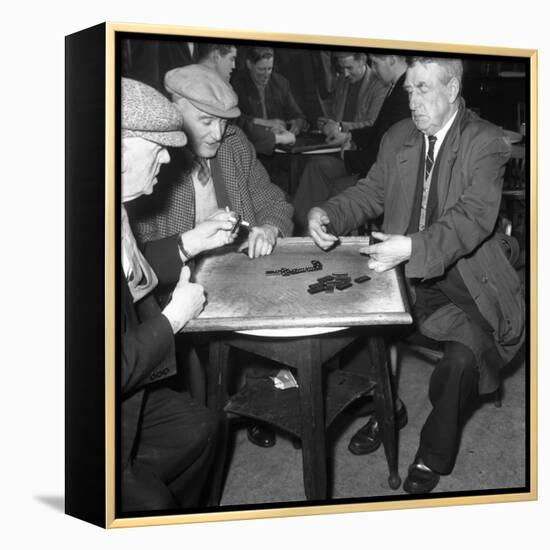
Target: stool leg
{"x":217,"y":385}
{"x":217,"y":398}
{"x":385,"y":407}
{"x":313,"y":420}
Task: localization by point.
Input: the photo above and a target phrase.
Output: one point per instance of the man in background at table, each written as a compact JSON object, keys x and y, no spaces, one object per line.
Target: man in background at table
{"x":357,"y":96}
{"x":218,"y":168}
{"x":168,"y":440}
{"x":266,"y":103}
{"x":327,"y":176}
{"x":438,"y":180}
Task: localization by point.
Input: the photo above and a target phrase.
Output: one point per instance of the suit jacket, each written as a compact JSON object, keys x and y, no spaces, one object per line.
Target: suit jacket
{"x":148,"y":355}
{"x":279,"y":102}
{"x":240,"y":182}
{"x":369,"y":101}
{"x":367,"y":140}
{"x":469,"y":186}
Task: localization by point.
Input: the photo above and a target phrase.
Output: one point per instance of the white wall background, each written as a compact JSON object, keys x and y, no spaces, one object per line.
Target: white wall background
{"x":32,"y":233}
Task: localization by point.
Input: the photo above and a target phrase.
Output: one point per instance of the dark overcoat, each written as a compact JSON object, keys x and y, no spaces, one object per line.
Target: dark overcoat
{"x":469,"y":188}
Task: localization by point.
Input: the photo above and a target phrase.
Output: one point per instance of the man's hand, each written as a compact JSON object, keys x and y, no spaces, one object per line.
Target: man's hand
{"x":186,"y":303}
{"x":390,"y":252}
{"x":261,"y":241}
{"x":330,"y":128}
{"x":284,"y":137}
{"x":338,"y":139}
{"x":317,"y":222}
{"x":321,"y":121}
{"x":211,"y":233}
{"x":273,"y":123}
{"x":296,"y":125}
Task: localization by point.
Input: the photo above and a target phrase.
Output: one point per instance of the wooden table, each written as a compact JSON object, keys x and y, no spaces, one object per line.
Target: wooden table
{"x":240,"y":297}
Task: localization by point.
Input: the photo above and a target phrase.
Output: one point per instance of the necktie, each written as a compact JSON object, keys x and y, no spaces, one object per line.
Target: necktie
{"x":261,"y":92}
{"x":203,"y":172}
{"x":430,"y":155}
{"x":427,"y":182}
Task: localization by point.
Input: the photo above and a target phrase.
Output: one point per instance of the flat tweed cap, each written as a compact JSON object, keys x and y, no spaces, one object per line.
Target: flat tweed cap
{"x":147,"y":114}
{"x":203,"y":88}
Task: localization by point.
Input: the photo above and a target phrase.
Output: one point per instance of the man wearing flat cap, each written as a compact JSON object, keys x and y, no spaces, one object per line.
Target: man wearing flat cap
{"x":168,"y":440}
{"x":217,"y":169}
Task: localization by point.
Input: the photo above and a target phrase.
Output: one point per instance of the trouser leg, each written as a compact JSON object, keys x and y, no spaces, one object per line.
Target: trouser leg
{"x":315,"y":187}
{"x":452,"y":393}
{"x":175,"y":449}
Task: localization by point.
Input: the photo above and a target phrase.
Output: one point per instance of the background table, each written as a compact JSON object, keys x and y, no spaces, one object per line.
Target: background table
{"x":241,"y":297}
{"x":306,"y":145}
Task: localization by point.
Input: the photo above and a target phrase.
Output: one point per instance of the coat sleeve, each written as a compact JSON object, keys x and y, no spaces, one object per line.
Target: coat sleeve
{"x":163,"y":256}
{"x":148,"y":353}
{"x":471,"y":220}
{"x":362,"y":202}
{"x":292,"y":109}
{"x":376,"y":98}
{"x":262,"y":137}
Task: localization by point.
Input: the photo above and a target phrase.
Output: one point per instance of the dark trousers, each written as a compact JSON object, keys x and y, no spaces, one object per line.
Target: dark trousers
{"x":174,"y":453}
{"x":323,"y":177}
{"x":453,"y":393}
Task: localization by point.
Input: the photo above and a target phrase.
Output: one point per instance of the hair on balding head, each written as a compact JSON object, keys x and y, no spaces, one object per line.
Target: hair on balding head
{"x":451,"y":68}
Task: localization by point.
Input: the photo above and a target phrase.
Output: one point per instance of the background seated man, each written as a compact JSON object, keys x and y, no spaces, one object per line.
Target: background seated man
{"x":270,"y":114}
{"x":325,"y":177}
{"x":168,"y":441}
{"x":357,"y":96}
{"x":218,"y":57}
{"x":266,"y":100}
{"x":438,"y":181}
{"x":217,"y":169}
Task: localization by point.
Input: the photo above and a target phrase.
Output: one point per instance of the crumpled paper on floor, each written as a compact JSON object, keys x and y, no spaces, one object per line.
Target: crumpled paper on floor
{"x":284,"y":380}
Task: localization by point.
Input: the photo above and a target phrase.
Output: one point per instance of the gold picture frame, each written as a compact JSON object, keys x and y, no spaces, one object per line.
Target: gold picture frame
{"x":91,"y":402}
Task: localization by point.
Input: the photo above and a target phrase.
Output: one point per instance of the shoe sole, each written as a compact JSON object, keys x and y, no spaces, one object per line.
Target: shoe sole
{"x":413,"y":489}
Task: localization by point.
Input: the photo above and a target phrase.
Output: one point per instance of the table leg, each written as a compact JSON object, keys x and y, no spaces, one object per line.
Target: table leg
{"x":313,"y":419}
{"x":384,"y":406}
{"x":217,"y":375}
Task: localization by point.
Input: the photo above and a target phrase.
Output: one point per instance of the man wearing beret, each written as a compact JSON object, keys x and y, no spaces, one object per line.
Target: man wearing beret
{"x":217,"y":169}
{"x":168,"y":440}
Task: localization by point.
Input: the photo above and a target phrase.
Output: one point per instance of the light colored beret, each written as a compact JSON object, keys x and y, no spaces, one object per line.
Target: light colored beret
{"x":203,"y":88}
{"x":146,"y":113}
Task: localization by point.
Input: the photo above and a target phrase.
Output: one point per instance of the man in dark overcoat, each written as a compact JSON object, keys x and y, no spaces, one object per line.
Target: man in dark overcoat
{"x":437,"y":180}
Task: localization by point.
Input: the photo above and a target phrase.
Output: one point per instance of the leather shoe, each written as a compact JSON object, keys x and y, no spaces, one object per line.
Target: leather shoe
{"x":420,"y":479}
{"x":367,"y":439}
{"x":261,"y":435}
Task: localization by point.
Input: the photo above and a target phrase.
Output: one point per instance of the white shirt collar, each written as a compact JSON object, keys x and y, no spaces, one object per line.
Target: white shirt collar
{"x":440,"y":135}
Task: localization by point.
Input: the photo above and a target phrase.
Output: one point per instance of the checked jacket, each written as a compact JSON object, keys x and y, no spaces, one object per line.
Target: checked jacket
{"x":240,"y":182}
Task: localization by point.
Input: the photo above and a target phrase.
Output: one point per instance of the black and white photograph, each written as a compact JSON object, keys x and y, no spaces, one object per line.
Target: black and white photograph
{"x":323,"y":275}
{"x":275,"y":275}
